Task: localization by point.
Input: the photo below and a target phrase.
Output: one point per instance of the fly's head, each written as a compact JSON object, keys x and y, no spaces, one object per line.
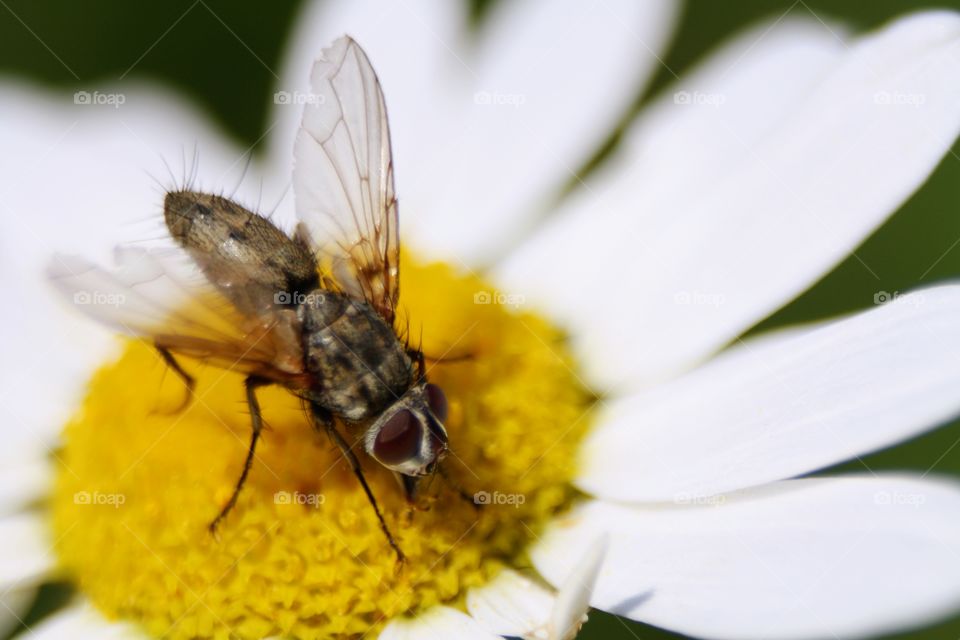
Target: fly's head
{"x":408,"y":437}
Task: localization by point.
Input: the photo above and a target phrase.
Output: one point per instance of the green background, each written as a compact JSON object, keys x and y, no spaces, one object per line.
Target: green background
{"x":219,"y":54}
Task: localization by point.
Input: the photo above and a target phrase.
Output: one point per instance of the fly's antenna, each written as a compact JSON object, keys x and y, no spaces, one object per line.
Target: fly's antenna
{"x":457,"y":487}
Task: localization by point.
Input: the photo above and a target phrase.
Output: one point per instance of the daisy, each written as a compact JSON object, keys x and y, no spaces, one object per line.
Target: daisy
{"x":632,"y":460}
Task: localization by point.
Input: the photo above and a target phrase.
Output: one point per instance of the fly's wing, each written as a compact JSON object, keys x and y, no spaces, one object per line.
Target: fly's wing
{"x":343,"y":178}
{"x":163,"y":299}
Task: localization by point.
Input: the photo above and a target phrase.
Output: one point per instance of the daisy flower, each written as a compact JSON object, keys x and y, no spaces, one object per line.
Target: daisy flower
{"x":633,"y":452}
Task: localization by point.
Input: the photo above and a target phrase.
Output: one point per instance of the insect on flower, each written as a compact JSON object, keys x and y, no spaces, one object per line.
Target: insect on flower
{"x":315,"y":312}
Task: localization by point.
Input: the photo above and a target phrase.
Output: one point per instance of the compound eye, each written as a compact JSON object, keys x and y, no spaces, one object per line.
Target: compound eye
{"x":399,"y":439}
{"x":437,"y":401}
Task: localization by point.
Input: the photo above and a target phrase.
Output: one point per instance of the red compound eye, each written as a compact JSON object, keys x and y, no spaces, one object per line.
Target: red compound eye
{"x":437,"y":401}
{"x":399,"y":439}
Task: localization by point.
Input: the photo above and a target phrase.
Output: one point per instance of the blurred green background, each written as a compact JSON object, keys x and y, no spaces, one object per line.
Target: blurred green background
{"x":219,"y":52}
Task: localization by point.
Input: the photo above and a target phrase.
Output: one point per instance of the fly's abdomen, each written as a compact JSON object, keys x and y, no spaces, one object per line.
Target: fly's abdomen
{"x":358,"y":362}
{"x":253,"y":263}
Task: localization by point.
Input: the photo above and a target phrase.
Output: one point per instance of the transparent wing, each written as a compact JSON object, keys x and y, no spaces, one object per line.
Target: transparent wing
{"x":161,"y":297}
{"x":343,"y":178}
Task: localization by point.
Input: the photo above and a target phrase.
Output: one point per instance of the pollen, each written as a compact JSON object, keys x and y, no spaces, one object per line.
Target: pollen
{"x":302,"y":555}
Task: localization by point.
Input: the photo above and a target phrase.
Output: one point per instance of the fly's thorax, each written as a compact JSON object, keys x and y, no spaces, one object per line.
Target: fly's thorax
{"x":359,"y":365}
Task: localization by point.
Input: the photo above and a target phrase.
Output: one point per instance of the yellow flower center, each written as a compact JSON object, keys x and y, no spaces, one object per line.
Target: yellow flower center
{"x":302,"y":554}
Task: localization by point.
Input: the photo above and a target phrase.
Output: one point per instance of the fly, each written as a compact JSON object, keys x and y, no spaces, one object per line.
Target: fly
{"x":314,"y":311}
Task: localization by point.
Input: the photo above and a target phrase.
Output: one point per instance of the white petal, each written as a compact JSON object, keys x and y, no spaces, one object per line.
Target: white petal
{"x":79,"y":181}
{"x":81,"y":621}
{"x":25,"y":473}
{"x":438,"y":622}
{"x":728,"y":210}
{"x":25,"y":551}
{"x":549,"y":83}
{"x":830,"y":557}
{"x":784,"y":405}
{"x":511,"y":605}
{"x":514,"y":605}
{"x":576,"y":591}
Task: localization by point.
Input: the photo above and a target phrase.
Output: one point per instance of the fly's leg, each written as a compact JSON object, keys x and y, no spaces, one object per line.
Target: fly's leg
{"x":463,"y":356}
{"x":323,"y":420}
{"x":456,"y":486}
{"x":188,"y":380}
{"x":256,"y":421}
{"x":420,"y":358}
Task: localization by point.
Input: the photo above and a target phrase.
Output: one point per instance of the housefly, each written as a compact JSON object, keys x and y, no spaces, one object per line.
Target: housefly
{"x":314,"y":311}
